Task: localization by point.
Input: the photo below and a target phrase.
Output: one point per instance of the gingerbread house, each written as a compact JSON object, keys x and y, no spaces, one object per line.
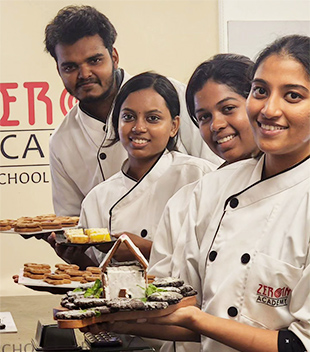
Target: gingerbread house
{"x":124,"y":279}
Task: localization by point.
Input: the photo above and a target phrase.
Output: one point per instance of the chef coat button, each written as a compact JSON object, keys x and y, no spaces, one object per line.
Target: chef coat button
{"x":234,"y":202}
{"x":143,"y":233}
{"x":245,"y":258}
{"x":212,"y":256}
{"x":105,"y":127}
{"x":103,"y":156}
{"x":232,"y":311}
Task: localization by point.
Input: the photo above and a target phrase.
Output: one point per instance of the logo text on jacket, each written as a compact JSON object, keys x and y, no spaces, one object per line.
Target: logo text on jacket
{"x":273,"y":297}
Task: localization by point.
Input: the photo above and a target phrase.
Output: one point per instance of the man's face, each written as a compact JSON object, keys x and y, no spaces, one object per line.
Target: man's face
{"x":87,"y":68}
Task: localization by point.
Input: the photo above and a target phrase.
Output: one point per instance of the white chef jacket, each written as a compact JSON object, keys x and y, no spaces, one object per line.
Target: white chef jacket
{"x":247,"y":247}
{"x":79,"y":158}
{"x":122,"y":204}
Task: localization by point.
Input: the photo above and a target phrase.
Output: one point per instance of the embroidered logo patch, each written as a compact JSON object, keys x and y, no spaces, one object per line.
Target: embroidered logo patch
{"x":273,"y":297}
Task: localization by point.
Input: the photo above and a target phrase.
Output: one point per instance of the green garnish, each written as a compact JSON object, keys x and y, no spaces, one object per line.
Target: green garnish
{"x":149,"y":290}
{"x":94,"y":290}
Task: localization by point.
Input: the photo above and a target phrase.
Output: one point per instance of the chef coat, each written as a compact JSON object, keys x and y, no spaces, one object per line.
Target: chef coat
{"x":247,"y":247}
{"x":80,"y":158}
{"x":124,"y":205}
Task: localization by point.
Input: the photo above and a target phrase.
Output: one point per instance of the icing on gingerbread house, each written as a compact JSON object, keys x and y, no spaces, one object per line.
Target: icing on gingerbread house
{"x":124,"y":279}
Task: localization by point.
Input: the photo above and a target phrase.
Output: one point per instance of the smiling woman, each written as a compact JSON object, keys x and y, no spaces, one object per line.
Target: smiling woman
{"x":278,"y":108}
{"x":146,"y":121}
{"x":216,"y":98}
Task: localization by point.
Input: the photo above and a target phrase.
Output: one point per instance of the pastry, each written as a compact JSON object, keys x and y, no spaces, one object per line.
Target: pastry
{"x":50,"y":224}
{"x":93,"y":269}
{"x":47,"y":266}
{"x":36,"y":270}
{"x":5,"y":225}
{"x":98,"y":235}
{"x":57,"y":276}
{"x":63,"y":266}
{"x":67,"y":221}
{"x":27,"y":226}
{"x":33,"y":276}
{"x":57,"y":282}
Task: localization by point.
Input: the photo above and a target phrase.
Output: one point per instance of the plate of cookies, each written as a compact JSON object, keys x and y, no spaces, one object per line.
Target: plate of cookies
{"x":63,"y":275}
{"x":86,"y":237}
{"x":36,"y":225}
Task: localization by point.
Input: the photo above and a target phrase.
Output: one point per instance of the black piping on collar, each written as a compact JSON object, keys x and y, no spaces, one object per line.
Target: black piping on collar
{"x":131,"y":189}
{"x":262,"y":180}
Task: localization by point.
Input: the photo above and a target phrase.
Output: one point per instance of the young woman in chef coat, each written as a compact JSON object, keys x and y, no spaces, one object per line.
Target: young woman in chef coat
{"x":216,"y":100}
{"x":248,"y":228}
{"x":146,"y":121}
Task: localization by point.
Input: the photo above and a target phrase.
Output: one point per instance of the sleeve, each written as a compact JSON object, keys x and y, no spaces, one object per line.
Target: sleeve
{"x":189,"y":140}
{"x":300,"y":307}
{"x":289,"y":342}
{"x":167,"y":240}
{"x":191,"y":246}
{"x":67,"y":198}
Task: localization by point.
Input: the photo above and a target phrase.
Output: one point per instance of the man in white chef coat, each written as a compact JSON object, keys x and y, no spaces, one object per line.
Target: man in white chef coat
{"x":81,"y":41}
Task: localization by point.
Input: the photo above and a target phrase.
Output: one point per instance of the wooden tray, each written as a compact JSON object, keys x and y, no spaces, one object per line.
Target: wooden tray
{"x":118,"y":316}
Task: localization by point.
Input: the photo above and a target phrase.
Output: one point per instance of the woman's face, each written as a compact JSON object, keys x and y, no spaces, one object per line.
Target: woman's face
{"x":279,"y":109}
{"x":145,"y":125}
{"x":223,"y":122}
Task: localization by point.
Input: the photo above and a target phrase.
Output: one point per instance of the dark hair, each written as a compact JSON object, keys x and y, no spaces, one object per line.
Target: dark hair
{"x":75,"y":22}
{"x":233,"y":70}
{"x":145,"y":80}
{"x":295,"y":46}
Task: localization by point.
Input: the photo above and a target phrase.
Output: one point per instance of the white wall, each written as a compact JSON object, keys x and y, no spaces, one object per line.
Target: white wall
{"x":259,"y":10}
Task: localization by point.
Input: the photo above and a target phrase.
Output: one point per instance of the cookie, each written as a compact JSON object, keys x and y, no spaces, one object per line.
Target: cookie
{"x":36,"y":270}
{"x":67,"y":221}
{"x":76,"y":278}
{"x":74,"y":272}
{"x":94,"y":269}
{"x":39,"y":265}
{"x":75,"y":314}
{"x":67,"y":266}
{"x":91,"y":278}
{"x":168,"y":281}
{"x":25,"y":219}
{"x":170,"y":297}
{"x":57,"y":282}
{"x":33,"y":276}
{"x":25,"y":226}
{"x":57,"y":276}
{"x":51,"y":224}
{"x":83,"y":303}
{"x":5,"y":225}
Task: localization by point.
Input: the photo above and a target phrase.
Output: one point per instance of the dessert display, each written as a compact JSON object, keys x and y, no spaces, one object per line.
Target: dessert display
{"x":36,"y":224}
{"x":63,"y":274}
{"x":83,"y":236}
{"x":123,"y":293}
{"x":83,"y":307}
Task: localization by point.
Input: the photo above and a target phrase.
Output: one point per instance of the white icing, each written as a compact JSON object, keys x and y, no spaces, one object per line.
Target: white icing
{"x":130,"y":278}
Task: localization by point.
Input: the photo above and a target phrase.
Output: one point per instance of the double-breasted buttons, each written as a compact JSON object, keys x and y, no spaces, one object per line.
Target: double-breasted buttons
{"x":105,"y":128}
{"x":212,"y":256}
{"x":143,"y":233}
{"x":102,"y":156}
{"x":234,"y":202}
{"x":245,"y":258}
{"x":232,"y":311}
